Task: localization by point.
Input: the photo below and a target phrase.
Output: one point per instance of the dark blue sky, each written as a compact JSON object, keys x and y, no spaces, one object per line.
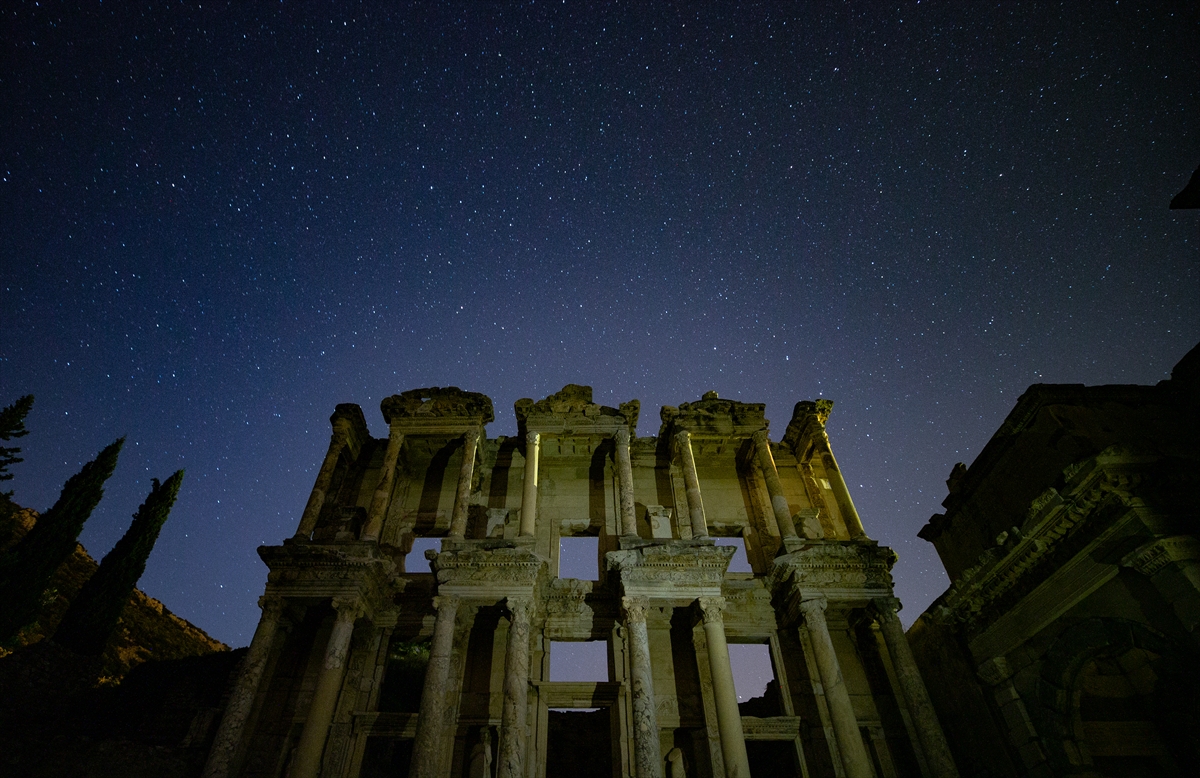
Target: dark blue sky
{"x":217,"y":221}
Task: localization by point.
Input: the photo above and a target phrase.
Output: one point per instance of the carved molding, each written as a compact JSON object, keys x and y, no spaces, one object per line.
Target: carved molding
{"x":436,"y":402}
{"x":1152,"y":557}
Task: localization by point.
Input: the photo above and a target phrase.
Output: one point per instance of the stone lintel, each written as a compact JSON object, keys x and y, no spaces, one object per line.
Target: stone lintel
{"x":711,"y":416}
{"x":847,"y":572}
{"x":676,"y":571}
{"x":571,"y":411}
{"x":448,"y":402}
{"x":488,"y":574}
{"x":357,"y":569}
{"x":435,"y":427}
{"x":771,"y":728}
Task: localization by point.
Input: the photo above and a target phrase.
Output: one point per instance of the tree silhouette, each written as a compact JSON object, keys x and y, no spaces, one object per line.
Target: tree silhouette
{"x":93,"y":615}
{"x":12,"y":425}
{"x":27,"y":568}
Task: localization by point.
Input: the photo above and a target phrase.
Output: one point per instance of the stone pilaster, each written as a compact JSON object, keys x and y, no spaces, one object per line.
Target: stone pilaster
{"x":462,"y":497}
{"x":779,"y":503}
{"x":729,"y":718}
{"x":516,"y":691}
{"x":306,"y":762}
{"x":529,"y":493}
{"x":912,"y":686}
{"x":625,"y":484}
{"x":646,"y":747}
{"x":316,"y":500}
{"x":683,"y":440}
{"x":431,"y":721}
{"x":231,"y":732}
{"x":382,"y":499}
{"x":841,"y":712}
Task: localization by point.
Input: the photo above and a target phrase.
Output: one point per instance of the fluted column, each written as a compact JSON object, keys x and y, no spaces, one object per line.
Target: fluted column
{"x":316,"y":500}
{"x":306,"y":762}
{"x":849,"y":512}
{"x":533,"y":441}
{"x":232,"y":729}
{"x":683,"y":440}
{"x":841,"y":712}
{"x":779,"y":503}
{"x":462,"y":497}
{"x":625,"y":484}
{"x":382,"y":499}
{"x":920,"y":709}
{"x":432,"y":721}
{"x":646,"y":747}
{"x":729,"y":718}
{"x":516,"y":690}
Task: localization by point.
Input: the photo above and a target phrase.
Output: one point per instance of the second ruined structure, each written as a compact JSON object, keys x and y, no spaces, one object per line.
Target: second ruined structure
{"x":372,"y":659}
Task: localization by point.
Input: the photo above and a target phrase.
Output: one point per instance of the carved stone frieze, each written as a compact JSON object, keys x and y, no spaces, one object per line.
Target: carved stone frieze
{"x":571,"y":410}
{"x":711,"y":415}
{"x":1152,"y":557}
{"x":675,"y":570}
{"x":488,"y":573}
{"x":314,"y":571}
{"x":436,"y":402}
{"x":843,"y":570}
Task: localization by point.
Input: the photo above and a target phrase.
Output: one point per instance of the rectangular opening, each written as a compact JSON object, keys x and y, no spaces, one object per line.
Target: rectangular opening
{"x":740,"y":562}
{"x":585,"y":661}
{"x":415,"y":561}
{"x":578,"y":557}
{"x":579,"y":743}
{"x":754,"y":679}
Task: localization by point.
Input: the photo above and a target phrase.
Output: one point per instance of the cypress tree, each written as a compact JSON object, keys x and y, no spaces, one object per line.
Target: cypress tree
{"x":12,"y":425}
{"x":27,"y":568}
{"x":93,"y":615}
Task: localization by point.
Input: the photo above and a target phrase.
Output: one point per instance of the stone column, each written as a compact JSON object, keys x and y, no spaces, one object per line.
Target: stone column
{"x":695,"y":504}
{"x":316,"y":500}
{"x":647,"y":751}
{"x":382,"y":499}
{"x":232,"y":729}
{"x":779,"y":503}
{"x":841,"y":712}
{"x":462,"y":497}
{"x":533,"y":441}
{"x":920,"y":709}
{"x":516,"y":691}
{"x":849,"y":512}
{"x":306,"y":762}
{"x":625,"y":484}
{"x":729,"y":718}
{"x":431,"y":721}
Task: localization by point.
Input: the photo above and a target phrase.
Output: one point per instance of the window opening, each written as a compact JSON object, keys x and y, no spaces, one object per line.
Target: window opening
{"x":414,"y":561}
{"x":754,"y":677}
{"x":585,"y":661}
{"x":740,"y":562}
{"x":579,"y":558}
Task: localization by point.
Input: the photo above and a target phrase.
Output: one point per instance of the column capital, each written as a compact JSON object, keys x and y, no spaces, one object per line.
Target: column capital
{"x":682,"y":438}
{"x":712,"y":608}
{"x":533,"y":438}
{"x":271,"y":605}
{"x":761,"y":439}
{"x":814,"y":606}
{"x":886,"y":609}
{"x":622,"y":437}
{"x":446,"y":602}
{"x":635,"y":609}
{"x":520,"y":607}
{"x":348,"y":608}
{"x":471,"y":435}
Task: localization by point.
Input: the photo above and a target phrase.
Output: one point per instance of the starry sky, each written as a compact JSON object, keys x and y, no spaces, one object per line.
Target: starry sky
{"x":219,"y":220}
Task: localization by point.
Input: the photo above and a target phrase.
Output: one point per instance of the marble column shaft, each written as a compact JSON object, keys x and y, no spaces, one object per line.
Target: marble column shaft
{"x":230,"y":733}
{"x":431,"y":721}
{"x":729,"y":718}
{"x":779,"y":503}
{"x":466,"y":474}
{"x":306,"y":762}
{"x":912,"y":686}
{"x":691,"y":480}
{"x":841,"y":492}
{"x":382,"y":499}
{"x":529,"y":492}
{"x":516,"y":690}
{"x":647,"y":751}
{"x":625,"y":484}
{"x":841,"y":711}
{"x":316,"y":500}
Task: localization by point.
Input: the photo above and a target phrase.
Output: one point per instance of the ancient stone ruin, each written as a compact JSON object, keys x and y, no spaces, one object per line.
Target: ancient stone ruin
{"x":371,"y":661}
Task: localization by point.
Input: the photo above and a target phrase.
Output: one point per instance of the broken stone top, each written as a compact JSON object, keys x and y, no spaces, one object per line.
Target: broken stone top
{"x":808,"y":419}
{"x":438,"y":403}
{"x":352,"y":415}
{"x":572,"y":408}
{"x":710,"y":414}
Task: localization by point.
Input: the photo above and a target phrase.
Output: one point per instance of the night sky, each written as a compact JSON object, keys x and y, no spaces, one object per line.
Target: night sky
{"x":217,"y":221}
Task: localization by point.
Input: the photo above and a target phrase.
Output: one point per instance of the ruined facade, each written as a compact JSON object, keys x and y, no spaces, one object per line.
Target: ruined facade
{"x":1067,"y":644}
{"x":371,"y":661}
